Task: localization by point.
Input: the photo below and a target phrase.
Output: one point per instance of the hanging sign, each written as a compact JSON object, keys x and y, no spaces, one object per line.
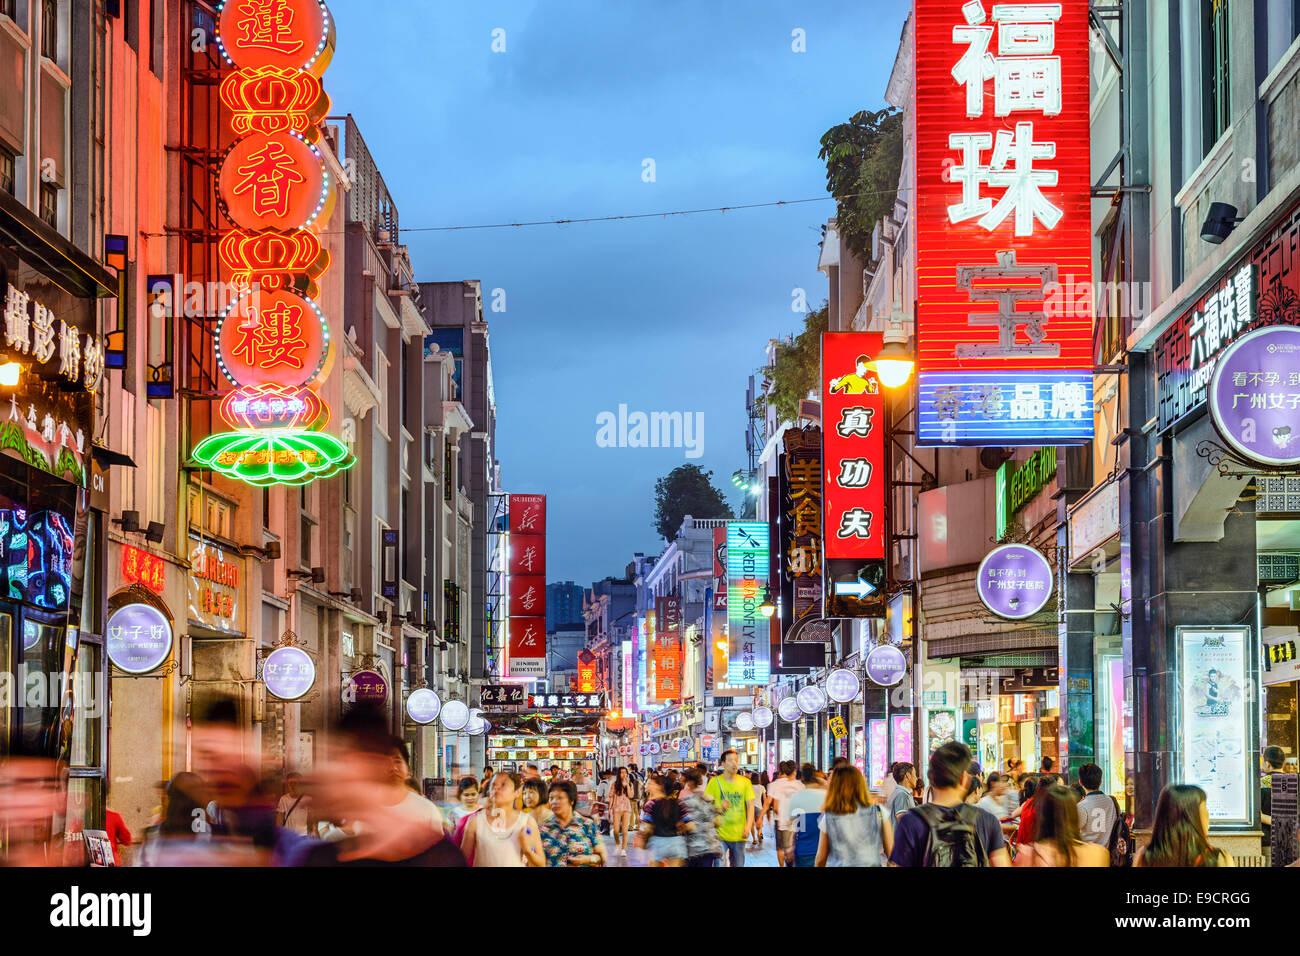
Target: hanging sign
{"x":366,"y":687}
{"x":1255,"y":395}
{"x":288,"y":673}
{"x":748,"y":561}
{"x":1014,"y":581}
{"x":422,"y":705}
{"x":139,"y":638}
{"x":527,"y":648}
{"x":1003,"y":223}
{"x":885,"y":665}
{"x":141,"y":567}
{"x":274,"y":187}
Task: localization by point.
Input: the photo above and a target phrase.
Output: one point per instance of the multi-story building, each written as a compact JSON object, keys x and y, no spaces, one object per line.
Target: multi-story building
{"x":564,"y":603}
{"x":609,"y":611}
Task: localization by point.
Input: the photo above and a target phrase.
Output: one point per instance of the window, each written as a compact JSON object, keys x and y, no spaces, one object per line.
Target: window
{"x":7,"y":166}
{"x":381,"y":379}
{"x":50,"y":29}
{"x":1283,"y":26}
{"x":307,"y":526}
{"x":50,"y":205}
{"x":7,"y":8}
{"x":1216,"y":57}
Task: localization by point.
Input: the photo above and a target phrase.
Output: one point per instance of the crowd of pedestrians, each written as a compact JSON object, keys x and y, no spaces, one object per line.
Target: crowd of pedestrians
{"x":360,"y":807}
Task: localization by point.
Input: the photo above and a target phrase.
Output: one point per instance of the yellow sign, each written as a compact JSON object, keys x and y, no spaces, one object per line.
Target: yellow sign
{"x":838,"y":728}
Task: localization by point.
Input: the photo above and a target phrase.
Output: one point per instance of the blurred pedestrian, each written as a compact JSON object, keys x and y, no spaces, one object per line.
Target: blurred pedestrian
{"x":760,"y":795}
{"x":703,"y":848}
{"x":805,"y":815}
{"x":783,"y":787}
{"x":620,"y":808}
{"x":294,"y":807}
{"x":467,"y":793}
{"x":663,"y":821}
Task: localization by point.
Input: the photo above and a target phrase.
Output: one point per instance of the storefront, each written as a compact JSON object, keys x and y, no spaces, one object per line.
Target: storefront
{"x":569,"y":752}
{"x":53,"y":700}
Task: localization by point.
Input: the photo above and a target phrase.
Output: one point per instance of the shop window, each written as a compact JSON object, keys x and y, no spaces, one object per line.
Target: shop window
{"x":1216,"y":57}
{"x":8,"y":164}
{"x":50,"y":205}
{"x":50,"y":29}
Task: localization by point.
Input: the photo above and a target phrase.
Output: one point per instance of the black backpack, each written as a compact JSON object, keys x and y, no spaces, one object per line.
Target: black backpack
{"x":953,"y":840}
{"x":1120,"y":843}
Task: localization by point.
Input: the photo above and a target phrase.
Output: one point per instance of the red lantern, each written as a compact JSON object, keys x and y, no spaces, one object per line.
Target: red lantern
{"x":272,"y":337}
{"x":275,"y":181}
{"x":289,"y":34}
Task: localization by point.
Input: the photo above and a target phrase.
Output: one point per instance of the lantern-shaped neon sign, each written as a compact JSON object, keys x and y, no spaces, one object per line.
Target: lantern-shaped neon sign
{"x":273,"y":342}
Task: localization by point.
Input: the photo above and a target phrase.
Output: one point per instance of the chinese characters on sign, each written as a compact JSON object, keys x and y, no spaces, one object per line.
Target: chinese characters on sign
{"x":556,"y":701}
{"x":141,"y":567}
{"x":139,"y":638}
{"x":32,"y":329}
{"x":214,"y":587}
{"x":273,"y":342}
{"x":1255,"y":395}
{"x":526,"y":586}
{"x":288,"y":673}
{"x":748,"y":560}
{"x":802,"y":524}
{"x":668,"y":649}
{"x":1003,"y":246}
{"x":1014,"y":581}
{"x":501,"y":695}
{"x":853,"y":476}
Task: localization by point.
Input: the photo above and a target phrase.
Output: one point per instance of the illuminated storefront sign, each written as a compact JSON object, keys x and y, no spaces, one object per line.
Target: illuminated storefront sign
{"x":273,"y":342}
{"x":853,"y":476}
{"x":586,"y":672}
{"x":668,"y":649}
{"x":214,"y":587}
{"x":139,"y":638}
{"x":1016,"y":484}
{"x":748,"y":561}
{"x":1014,"y":581}
{"x":526,"y":586}
{"x":1003,"y":224}
{"x":423,"y":705}
{"x":629,"y":677}
{"x":288,"y":673}
{"x":1216,"y":700}
{"x":365,"y":687}
{"x":141,"y":567}
{"x":1255,"y":395}
{"x":527,"y":646}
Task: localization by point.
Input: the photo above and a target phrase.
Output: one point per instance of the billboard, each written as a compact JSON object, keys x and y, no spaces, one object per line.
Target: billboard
{"x":1003,"y":224}
{"x":748,"y":560}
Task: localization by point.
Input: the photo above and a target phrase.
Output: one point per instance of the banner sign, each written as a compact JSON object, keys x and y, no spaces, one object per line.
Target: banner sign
{"x":527,"y":657}
{"x":526,"y":586}
{"x":1254,"y":395}
{"x":748,"y":560}
{"x":853,"y":476}
{"x":801,"y":529}
{"x":139,"y":638}
{"x":288,"y":673}
{"x":501,"y":695}
{"x":1215,"y":739}
{"x":1003,"y":223}
{"x":561,"y":701}
{"x":1014,"y":581}
{"x":668,"y":648}
{"x":1281,"y":661}
{"x":527,"y":514}
{"x":527,"y":595}
{"x":629,"y":677}
{"x":720,"y":570}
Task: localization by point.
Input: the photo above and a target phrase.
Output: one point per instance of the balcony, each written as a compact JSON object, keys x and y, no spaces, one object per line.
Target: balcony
{"x":360,"y":393}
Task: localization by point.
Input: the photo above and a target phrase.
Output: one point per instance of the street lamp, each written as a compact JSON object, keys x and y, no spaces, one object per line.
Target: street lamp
{"x":767,"y":608}
{"x":894,"y":362}
{"x":10,"y":373}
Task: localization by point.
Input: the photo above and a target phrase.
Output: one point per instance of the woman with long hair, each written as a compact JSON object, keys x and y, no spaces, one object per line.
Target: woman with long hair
{"x":855,"y":832}
{"x":1056,"y":833}
{"x":620,"y":808}
{"x":500,"y":834}
{"x":1180,"y":834}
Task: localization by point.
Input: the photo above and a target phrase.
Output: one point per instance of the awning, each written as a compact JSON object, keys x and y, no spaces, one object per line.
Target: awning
{"x":106,"y":457}
{"x":57,"y":258}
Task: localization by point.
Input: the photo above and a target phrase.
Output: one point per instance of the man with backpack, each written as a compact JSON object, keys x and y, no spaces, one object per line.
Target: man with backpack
{"x":948,"y":832}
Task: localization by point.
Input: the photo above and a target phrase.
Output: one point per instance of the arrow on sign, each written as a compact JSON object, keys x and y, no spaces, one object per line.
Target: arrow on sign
{"x":859,"y":589}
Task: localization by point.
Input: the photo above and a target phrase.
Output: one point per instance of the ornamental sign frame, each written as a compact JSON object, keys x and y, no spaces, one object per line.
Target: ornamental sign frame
{"x":1004,"y":314}
{"x":1010,"y":571}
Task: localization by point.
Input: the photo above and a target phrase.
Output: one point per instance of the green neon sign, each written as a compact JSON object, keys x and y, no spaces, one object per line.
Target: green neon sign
{"x":273,"y":457}
{"x":1016,"y":484}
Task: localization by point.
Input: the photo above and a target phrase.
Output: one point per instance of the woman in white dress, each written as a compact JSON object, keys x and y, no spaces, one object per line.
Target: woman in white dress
{"x":500,"y":834}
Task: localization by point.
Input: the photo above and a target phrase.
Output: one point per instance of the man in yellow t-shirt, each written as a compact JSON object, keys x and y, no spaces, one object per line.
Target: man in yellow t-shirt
{"x":734,"y":796}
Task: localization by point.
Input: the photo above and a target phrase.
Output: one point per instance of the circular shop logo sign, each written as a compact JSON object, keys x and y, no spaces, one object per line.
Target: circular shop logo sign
{"x":886,"y":665}
{"x":788,"y":708}
{"x":1254,"y":396}
{"x":288,"y":673}
{"x":139,"y":638}
{"x":366,"y":687}
{"x":1014,"y":581}
{"x":422,"y":706}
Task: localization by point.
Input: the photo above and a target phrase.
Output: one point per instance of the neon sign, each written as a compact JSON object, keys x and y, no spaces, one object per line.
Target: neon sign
{"x":1004,"y":229}
{"x":273,"y":342}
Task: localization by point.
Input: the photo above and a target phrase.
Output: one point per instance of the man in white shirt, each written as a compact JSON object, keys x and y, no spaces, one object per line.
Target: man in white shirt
{"x":996,"y":802}
{"x":294,"y":807}
{"x":1097,"y":814}
{"x":779,"y":792}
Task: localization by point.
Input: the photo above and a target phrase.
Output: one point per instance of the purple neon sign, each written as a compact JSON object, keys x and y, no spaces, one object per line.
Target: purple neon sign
{"x":139,"y":638}
{"x":1014,"y":581}
{"x":288,"y":672}
{"x":1254,"y":395}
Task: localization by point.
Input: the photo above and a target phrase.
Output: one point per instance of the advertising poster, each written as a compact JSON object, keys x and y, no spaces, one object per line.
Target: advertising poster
{"x":901,"y":734}
{"x":1215,"y":737}
{"x":940,"y":727}
{"x":879,"y":732}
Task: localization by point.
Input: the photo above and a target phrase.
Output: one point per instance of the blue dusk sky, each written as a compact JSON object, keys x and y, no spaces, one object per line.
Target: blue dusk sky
{"x":662,"y":314}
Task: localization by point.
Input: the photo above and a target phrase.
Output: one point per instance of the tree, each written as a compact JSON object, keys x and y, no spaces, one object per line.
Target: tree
{"x":797,"y":369}
{"x":863,"y":160}
{"x":686,"y":490}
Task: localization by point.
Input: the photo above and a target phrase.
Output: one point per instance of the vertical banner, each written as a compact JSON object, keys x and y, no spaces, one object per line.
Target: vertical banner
{"x":748,"y":656}
{"x":526,"y":587}
{"x":801,"y":532}
{"x":629,"y":677}
{"x":853,"y":476}
{"x":1003,"y":224}
{"x":668,"y":648}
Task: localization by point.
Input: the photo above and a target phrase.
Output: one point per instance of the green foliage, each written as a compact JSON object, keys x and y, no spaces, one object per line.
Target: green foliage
{"x":797,"y":369}
{"x":686,"y":490}
{"x":863,"y":160}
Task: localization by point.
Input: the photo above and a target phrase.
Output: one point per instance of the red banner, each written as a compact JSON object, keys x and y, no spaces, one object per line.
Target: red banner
{"x":853,"y":492}
{"x":527,"y":647}
{"x":668,"y":648}
{"x":527,"y":554}
{"x":527,"y":514}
